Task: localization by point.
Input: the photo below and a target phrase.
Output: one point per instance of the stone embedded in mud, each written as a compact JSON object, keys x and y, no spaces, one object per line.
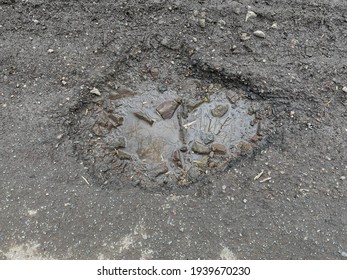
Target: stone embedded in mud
{"x":118,"y":142}
{"x":99,"y":130}
{"x":121,"y":92}
{"x":114,"y":121}
{"x":232,"y":97}
{"x":193,"y":173}
{"x":244,"y":148}
{"x":162,"y":88}
{"x":207,"y":138}
{"x":167,"y":109}
{"x":154,"y":72}
{"x":219,"y":149}
{"x":202,"y":163}
{"x":123,"y":155}
{"x":144,"y":116}
{"x":219,"y":111}
{"x":158,"y":170}
{"x":176,"y":158}
{"x":200,"y":148}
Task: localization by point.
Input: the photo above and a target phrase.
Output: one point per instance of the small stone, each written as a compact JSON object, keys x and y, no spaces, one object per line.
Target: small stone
{"x":125,"y":92}
{"x":36,"y":21}
{"x":221,"y":24}
{"x":162,"y":88}
{"x":60,"y":136}
{"x":63,"y":82}
{"x":244,"y":201}
{"x":114,"y":121}
{"x":184,"y":149}
{"x":232,"y":97}
{"x":250,"y":15}
{"x":259,"y":33}
{"x":203,"y":163}
{"x":123,"y":155}
{"x":343,"y":178}
{"x":176,"y":158}
{"x":159,"y":170}
{"x":193,"y":173}
{"x":167,"y":109}
{"x":219,"y":149}
{"x":50,"y":51}
{"x":343,"y":254}
{"x":95,"y":91}
{"x":200,"y":148}
{"x":145,"y":117}
{"x":274,"y":25}
{"x":344,"y":89}
{"x":119,"y":142}
{"x":219,"y":111}
{"x":121,"y":92}
{"x":202,"y":22}
{"x":207,"y":138}
{"x":99,"y":130}
{"x":154,"y":72}
{"x":245,"y":36}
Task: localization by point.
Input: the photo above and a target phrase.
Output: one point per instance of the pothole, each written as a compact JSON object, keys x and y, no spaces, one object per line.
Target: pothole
{"x":153,"y":134}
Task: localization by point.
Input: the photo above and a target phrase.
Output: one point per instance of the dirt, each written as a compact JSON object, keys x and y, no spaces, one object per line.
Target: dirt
{"x":173,"y":129}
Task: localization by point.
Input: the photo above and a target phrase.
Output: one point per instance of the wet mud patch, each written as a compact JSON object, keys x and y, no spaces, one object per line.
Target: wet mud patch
{"x":156,"y":134}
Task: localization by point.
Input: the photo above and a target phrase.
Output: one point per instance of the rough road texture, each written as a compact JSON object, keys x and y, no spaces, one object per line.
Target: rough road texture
{"x":53,"y":53}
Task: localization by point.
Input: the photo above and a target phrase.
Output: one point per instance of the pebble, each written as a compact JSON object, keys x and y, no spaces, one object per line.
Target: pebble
{"x":343,"y":178}
{"x":162,"y":88}
{"x":274,"y":25}
{"x":219,"y":149}
{"x":344,"y":89}
{"x":200,"y":148}
{"x":143,"y":116}
{"x":159,"y":170}
{"x":343,"y":254}
{"x":50,"y":51}
{"x":232,"y":97}
{"x":119,"y":142}
{"x":95,"y":91}
{"x":154,"y":72}
{"x":207,"y":138}
{"x":125,"y":91}
{"x":123,"y":155}
{"x":203,"y":163}
{"x":259,"y":33}
{"x":115,"y":120}
{"x":202,"y":22}
{"x":167,"y":109}
{"x":176,"y":158}
{"x":220,"y":110}
{"x":193,"y":173}
{"x":245,"y":36}
{"x":250,"y":15}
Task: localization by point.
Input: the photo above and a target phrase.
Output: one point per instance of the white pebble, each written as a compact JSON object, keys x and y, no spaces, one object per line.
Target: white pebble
{"x":259,"y":34}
